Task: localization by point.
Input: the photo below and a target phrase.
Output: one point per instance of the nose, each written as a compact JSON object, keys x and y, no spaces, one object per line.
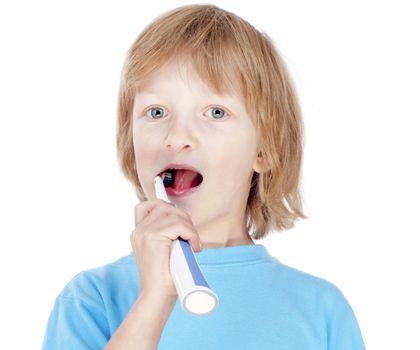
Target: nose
{"x":179,"y":138}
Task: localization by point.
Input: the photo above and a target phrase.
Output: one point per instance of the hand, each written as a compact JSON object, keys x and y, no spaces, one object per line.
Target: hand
{"x":157,"y":224}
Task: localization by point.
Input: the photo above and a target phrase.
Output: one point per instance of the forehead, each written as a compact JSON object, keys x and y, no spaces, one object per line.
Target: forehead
{"x":181,"y":71}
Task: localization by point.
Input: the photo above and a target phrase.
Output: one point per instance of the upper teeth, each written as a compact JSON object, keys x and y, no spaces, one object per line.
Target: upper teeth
{"x":172,"y":169}
{"x":168,"y":170}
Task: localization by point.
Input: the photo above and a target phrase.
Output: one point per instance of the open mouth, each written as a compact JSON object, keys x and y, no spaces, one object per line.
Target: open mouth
{"x":181,"y":180}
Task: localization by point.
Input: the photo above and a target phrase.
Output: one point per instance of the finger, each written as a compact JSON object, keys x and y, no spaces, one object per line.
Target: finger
{"x":143,"y":209}
{"x":157,"y":211}
{"x":168,"y":218}
{"x":172,"y":228}
{"x":160,"y":219}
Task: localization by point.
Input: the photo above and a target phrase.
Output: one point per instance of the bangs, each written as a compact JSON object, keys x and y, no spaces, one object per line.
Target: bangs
{"x":206,"y":42}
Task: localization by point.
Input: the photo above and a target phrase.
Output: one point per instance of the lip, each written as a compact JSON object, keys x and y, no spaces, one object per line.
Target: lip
{"x":179,"y":166}
{"x":173,"y":193}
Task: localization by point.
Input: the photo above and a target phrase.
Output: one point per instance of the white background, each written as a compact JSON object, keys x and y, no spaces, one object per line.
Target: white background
{"x":65,"y":205}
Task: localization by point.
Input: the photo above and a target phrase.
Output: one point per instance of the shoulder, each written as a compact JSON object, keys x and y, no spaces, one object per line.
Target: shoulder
{"x":324,"y":306}
{"x":313,"y":289}
{"x":87,"y":302}
{"x":90,"y":284}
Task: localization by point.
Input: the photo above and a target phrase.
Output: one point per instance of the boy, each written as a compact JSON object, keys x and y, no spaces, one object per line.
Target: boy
{"x":205,"y":93}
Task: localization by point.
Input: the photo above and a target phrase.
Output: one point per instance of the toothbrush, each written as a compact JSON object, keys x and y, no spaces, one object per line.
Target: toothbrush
{"x":193,"y":291}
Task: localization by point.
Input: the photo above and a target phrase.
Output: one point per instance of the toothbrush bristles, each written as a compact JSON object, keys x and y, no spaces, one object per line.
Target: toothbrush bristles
{"x":167,"y":178}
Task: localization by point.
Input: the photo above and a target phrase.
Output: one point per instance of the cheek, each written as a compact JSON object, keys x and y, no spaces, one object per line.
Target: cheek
{"x":143,"y":144}
{"x":234,"y":160}
{"x":144,"y":154}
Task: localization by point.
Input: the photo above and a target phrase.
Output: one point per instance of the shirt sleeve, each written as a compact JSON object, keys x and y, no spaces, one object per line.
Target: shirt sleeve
{"x":73,"y":324}
{"x":343,"y":329}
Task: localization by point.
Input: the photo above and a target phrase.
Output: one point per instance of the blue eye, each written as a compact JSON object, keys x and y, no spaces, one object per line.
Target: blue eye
{"x":217,"y":112}
{"x":156,"y":112}
{"x":159,"y":112}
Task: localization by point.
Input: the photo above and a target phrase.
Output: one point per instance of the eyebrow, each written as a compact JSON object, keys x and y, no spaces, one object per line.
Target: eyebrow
{"x":145,"y":92}
{"x":225,"y":96}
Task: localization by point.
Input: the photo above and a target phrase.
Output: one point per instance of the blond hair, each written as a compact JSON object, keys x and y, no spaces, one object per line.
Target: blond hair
{"x":220,"y":45}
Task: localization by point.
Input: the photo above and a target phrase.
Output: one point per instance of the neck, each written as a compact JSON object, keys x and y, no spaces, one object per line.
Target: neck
{"x":224,"y":233}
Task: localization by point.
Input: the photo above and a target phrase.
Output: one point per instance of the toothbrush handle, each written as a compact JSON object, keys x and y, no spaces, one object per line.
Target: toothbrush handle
{"x":193,"y":291}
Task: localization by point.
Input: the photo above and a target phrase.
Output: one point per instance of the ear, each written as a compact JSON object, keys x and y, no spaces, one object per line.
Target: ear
{"x":259,"y":164}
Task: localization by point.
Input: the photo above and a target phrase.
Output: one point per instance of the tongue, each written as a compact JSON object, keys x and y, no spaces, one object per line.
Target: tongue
{"x":185,"y":179}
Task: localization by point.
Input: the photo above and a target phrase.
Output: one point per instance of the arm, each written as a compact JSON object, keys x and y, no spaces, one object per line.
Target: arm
{"x":143,"y":325}
{"x":343,"y":329}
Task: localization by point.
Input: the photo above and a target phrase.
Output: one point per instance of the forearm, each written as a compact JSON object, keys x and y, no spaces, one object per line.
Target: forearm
{"x":143,"y":325}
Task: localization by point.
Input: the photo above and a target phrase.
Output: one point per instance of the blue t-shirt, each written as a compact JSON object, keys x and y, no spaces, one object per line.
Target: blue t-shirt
{"x":263,"y":304}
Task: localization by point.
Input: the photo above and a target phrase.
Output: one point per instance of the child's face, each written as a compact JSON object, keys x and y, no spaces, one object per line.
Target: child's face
{"x":175,"y":120}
